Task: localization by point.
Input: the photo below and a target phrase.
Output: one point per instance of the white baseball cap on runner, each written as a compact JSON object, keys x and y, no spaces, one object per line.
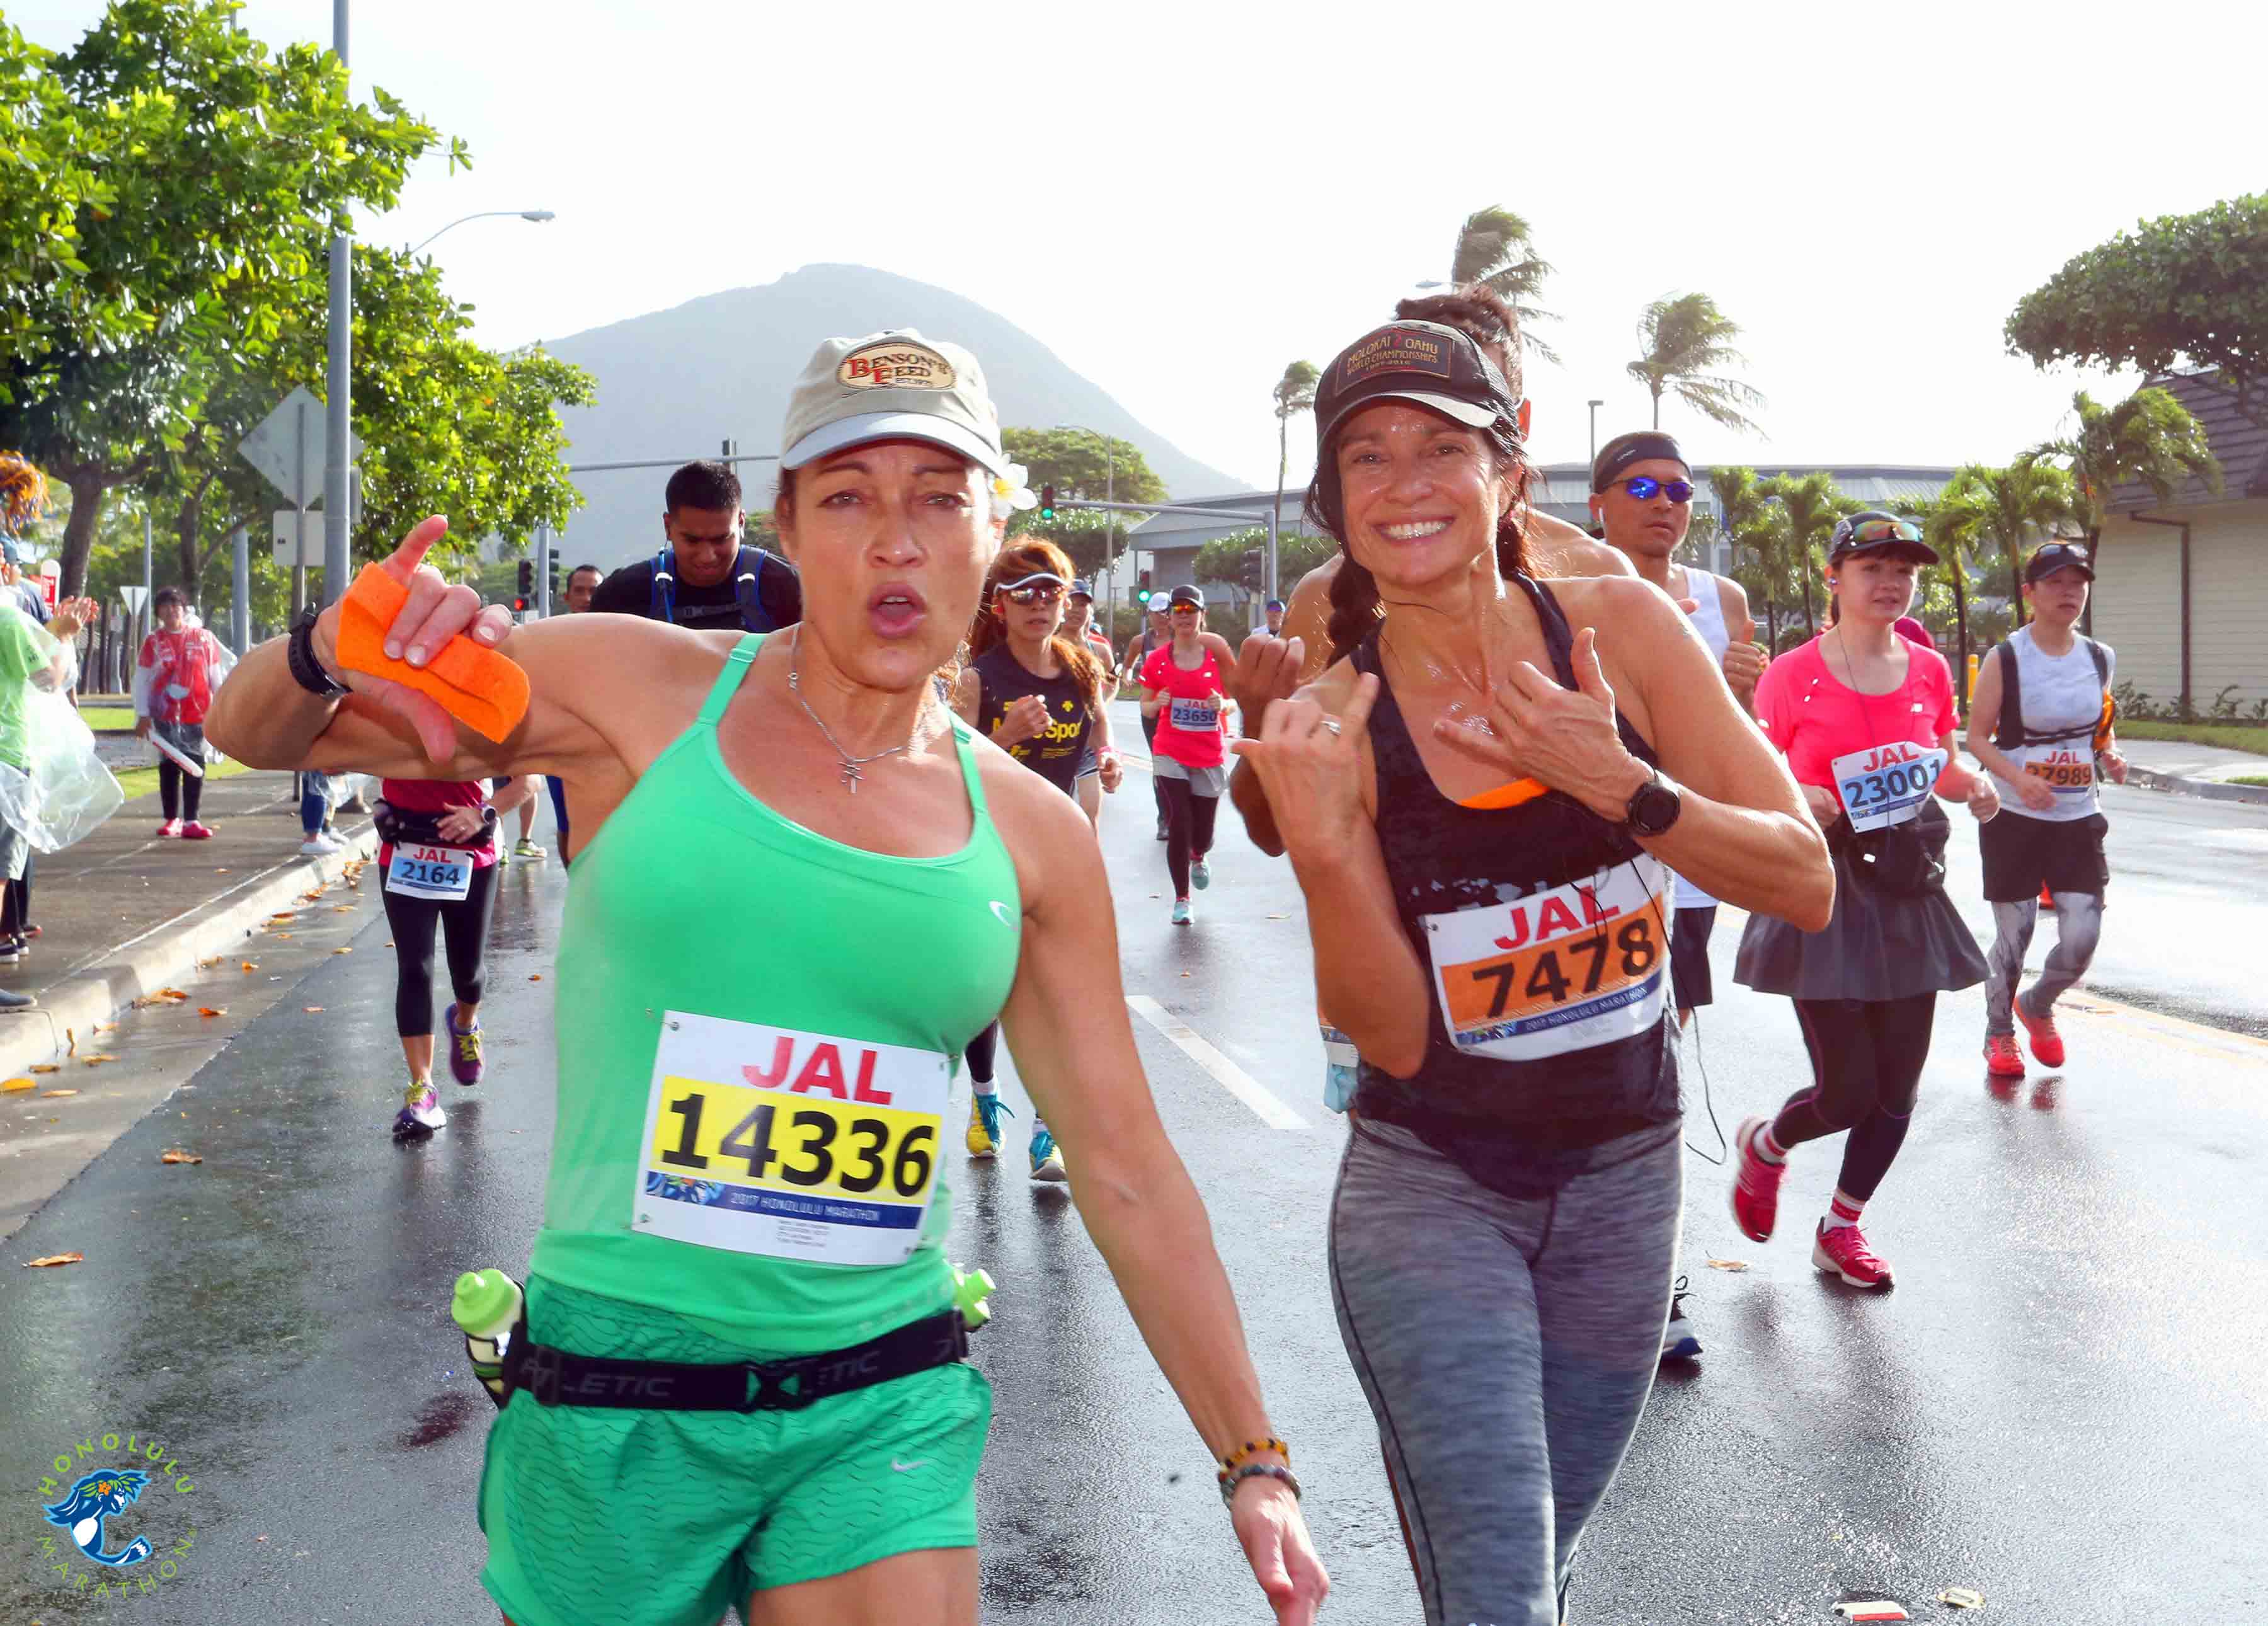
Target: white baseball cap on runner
{"x":893,"y":385}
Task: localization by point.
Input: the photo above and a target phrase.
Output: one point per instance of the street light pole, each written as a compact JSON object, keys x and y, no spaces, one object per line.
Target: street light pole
{"x":338,"y":380}
{"x":524,"y":214}
{"x":1594,"y":428}
{"x":1110,"y":535}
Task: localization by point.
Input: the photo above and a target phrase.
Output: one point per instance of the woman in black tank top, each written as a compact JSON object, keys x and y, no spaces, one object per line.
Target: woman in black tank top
{"x":1504,"y":1228}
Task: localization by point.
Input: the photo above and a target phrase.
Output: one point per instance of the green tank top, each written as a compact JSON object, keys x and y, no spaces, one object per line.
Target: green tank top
{"x":756,"y":1029}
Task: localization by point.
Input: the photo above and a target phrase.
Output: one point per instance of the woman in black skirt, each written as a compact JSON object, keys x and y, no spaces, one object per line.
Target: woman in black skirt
{"x":1866,"y":719}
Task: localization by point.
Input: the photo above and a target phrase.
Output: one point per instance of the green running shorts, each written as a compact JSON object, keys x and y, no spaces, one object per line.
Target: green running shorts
{"x":607,"y":1517}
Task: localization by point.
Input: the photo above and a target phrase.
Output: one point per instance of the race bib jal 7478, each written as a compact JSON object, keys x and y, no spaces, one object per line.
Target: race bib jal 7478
{"x":795,"y":1145}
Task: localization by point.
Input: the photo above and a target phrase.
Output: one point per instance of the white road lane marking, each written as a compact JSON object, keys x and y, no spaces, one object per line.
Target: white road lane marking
{"x":1263,"y":1102}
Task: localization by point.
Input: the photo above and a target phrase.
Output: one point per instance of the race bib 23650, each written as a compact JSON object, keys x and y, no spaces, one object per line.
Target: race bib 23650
{"x":796,"y":1145}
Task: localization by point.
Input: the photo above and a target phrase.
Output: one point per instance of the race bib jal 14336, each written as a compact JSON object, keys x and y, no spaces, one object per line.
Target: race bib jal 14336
{"x":1581,"y":965}
{"x":794,"y":1146}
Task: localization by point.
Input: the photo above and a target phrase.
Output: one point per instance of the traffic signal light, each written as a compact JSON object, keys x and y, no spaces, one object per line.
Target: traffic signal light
{"x":1142,"y":590}
{"x":1252,"y":570}
{"x":1047,"y":502}
{"x":553,"y":560}
{"x":527,"y":584}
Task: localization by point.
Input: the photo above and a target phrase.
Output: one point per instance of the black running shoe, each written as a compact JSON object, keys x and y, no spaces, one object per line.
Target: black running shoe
{"x":1678,"y":1342}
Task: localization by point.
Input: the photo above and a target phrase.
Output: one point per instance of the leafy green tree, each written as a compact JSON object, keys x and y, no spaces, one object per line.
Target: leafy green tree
{"x":1297,"y":553}
{"x":2180,"y":288}
{"x":2024,"y":503}
{"x":1494,"y":246}
{"x":224,"y":167}
{"x":1294,"y":392}
{"x":43,"y":153}
{"x":1808,"y":507}
{"x":1953,"y":528}
{"x":1074,"y":462}
{"x":1688,"y":339}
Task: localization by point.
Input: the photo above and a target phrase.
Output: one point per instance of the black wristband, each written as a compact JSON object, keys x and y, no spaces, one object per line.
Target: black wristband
{"x":306,"y":671}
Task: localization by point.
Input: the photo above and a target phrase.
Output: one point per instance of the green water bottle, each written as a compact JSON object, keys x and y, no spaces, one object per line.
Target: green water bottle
{"x":486,"y":1307}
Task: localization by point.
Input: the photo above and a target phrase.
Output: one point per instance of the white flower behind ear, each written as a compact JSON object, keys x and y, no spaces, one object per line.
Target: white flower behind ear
{"x":1010,"y":492}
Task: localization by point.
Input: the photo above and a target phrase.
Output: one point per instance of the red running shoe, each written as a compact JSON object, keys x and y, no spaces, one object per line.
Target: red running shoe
{"x":1756,"y":1184}
{"x":2002,"y":1059}
{"x":1840,"y":1250}
{"x":2047,"y":1044}
{"x":193,"y":831}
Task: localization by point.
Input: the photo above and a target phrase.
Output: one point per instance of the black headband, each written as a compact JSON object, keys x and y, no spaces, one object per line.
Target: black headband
{"x":1629,"y":449}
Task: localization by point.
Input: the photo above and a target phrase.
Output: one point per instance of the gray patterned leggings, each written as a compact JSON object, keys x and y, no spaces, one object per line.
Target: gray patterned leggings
{"x":1506,"y":1346}
{"x":2078,"y":928}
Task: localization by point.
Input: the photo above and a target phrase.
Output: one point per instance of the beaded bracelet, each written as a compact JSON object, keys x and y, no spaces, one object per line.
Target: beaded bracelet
{"x":1253,"y":1447}
{"x":1255,"y":1470}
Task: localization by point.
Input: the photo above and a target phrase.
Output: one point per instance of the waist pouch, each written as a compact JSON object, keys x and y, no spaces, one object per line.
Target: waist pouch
{"x":1901,"y":861}
{"x":395,"y":826}
{"x":554,"y":1378}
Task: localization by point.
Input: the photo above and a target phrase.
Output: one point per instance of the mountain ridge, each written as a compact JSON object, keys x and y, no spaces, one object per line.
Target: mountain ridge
{"x":644,"y":409}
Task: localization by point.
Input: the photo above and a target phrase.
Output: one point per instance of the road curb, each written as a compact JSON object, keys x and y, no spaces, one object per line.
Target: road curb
{"x":162,"y":956}
{"x":2212,"y":789}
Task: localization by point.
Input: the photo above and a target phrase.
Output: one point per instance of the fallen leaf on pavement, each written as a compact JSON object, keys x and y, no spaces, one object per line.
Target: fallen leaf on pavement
{"x":1962,"y":1597}
{"x":342,"y":951}
{"x":174,"y":995}
{"x":310,"y":897}
{"x":536,"y":977}
{"x":212,"y":1010}
{"x":312,"y":1010}
{"x":341,"y":909}
{"x":45,"y":1067}
{"x":282,"y":915}
{"x":14,"y":1085}
{"x":175,"y":1155}
{"x":51,"y":1095}
{"x":98,"y":1058}
{"x":208,"y":963}
{"x":251,"y":965}
{"x":282,"y":934}
{"x":55,"y":1259}
{"x":1729,"y":1264}
{"x":1279,"y":917}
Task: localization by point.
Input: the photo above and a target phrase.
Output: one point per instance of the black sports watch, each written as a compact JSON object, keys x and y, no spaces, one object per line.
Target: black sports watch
{"x":299,"y":654}
{"x":1654,"y":805}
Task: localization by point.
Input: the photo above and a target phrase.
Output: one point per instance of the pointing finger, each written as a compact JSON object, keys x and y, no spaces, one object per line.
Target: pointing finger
{"x":403,"y":562}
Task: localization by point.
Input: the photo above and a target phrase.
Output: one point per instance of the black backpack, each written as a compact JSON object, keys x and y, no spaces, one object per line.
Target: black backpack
{"x":2009,"y":734}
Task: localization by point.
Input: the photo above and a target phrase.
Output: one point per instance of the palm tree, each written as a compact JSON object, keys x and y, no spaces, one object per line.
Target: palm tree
{"x":1687,"y":338}
{"x":2022,"y":503}
{"x":1295,"y":392}
{"x":1741,"y":516}
{"x":1493,"y":247}
{"x":1956,"y":521}
{"x":1809,"y":504}
{"x":2148,"y":437}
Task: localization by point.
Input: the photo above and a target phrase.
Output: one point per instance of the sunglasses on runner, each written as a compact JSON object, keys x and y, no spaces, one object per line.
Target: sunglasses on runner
{"x":1184,"y":609}
{"x":1644,"y":486}
{"x":1041,"y":589}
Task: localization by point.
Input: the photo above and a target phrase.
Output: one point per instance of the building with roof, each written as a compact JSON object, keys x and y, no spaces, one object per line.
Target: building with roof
{"x":2181,"y":588}
{"x":1562,"y":489}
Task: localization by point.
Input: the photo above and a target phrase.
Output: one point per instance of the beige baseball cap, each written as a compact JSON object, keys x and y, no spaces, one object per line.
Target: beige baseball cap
{"x":893,"y":385}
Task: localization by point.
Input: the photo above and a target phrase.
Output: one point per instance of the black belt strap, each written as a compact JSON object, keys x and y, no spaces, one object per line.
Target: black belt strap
{"x":555,"y":1378}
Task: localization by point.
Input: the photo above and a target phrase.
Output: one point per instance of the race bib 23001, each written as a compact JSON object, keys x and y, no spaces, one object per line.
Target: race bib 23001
{"x":1582,"y":965}
{"x":442,"y":873}
{"x":794,"y":1146}
{"x":1887,"y":784}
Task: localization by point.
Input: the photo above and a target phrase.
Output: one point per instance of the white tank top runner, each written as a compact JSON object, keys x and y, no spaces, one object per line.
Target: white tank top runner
{"x":2061,"y":695}
{"x":1709,"y":622}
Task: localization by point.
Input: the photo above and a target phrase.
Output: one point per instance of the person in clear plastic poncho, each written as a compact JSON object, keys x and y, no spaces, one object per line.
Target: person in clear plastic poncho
{"x":53,"y":788}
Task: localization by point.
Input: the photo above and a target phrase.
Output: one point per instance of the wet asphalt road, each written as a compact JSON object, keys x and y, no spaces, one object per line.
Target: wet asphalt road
{"x":2063,"y":1404}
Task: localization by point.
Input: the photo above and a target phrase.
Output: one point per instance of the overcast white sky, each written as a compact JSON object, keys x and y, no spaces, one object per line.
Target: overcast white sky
{"x":1180,"y":199}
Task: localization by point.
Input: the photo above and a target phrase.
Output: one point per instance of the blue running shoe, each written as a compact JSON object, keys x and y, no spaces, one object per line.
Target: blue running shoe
{"x":1047,"y":1157}
{"x":1181,"y":914}
{"x":1200,"y":876}
{"x":1678,"y":1342}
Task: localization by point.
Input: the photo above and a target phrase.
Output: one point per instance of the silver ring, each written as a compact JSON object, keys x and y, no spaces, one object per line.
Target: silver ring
{"x":1332,"y":723}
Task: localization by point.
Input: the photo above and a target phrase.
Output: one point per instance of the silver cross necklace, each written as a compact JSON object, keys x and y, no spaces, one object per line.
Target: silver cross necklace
{"x":850,"y":764}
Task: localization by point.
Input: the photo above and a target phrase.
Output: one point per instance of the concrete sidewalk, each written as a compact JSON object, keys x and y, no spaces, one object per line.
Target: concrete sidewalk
{"x":126,"y":913}
{"x":2197,"y":770}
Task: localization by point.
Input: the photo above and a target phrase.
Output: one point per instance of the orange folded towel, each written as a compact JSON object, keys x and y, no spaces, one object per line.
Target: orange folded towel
{"x":478,"y":686}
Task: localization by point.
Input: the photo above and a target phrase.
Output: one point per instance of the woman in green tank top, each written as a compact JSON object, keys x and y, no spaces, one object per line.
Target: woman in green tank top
{"x":805,"y":886}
